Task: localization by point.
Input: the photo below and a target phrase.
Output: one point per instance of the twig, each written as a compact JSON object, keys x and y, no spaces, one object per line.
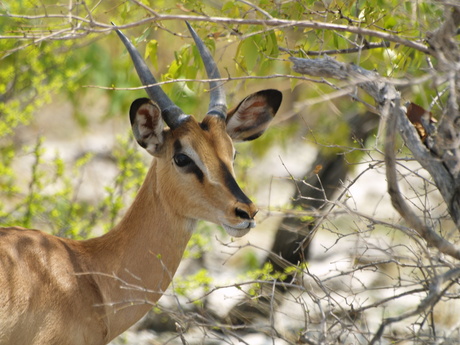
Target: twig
{"x":433,"y":297}
{"x":367,"y":46}
{"x":204,"y":81}
{"x":257,"y":8}
{"x":181,"y":332}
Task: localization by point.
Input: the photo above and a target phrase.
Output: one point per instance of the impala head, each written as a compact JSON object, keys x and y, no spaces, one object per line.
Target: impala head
{"x":194,"y":164}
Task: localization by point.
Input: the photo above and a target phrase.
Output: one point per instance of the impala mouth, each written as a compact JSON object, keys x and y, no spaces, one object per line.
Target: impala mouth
{"x":240,"y":229}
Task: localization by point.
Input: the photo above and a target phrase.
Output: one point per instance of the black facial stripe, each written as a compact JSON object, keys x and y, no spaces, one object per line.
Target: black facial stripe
{"x":231,"y":184}
{"x":191,"y":168}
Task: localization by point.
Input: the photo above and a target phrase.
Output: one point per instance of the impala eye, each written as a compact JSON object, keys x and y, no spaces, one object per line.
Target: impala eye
{"x":182,"y":160}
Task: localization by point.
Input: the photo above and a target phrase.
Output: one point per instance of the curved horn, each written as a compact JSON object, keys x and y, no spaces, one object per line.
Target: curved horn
{"x":217,"y":102}
{"x":171,"y":113}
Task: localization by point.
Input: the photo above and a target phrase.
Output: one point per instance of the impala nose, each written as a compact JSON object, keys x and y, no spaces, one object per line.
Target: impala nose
{"x":246,"y":214}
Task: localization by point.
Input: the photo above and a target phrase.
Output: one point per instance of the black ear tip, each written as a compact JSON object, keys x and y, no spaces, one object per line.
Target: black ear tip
{"x":274,"y":98}
{"x":135,"y":107}
{"x":275,"y":94}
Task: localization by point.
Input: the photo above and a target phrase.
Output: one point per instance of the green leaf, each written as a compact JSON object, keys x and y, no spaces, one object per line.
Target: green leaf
{"x":248,"y":52}
{"x":151,"y":51}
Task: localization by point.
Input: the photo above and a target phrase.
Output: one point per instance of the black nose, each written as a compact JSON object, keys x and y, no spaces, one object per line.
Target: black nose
{"x":242,"y":214}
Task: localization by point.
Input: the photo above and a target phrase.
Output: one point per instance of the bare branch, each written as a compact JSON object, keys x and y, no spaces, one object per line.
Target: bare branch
{"x":393,"y":112}
{"x":388,"y":99}
{"x":434,"y":295}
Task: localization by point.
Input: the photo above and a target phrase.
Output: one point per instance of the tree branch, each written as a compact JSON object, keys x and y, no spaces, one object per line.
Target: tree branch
{"x":394,"y":112}
{"x":358,"y":48}
{"x":388,"y":102}
{"x":434,"y":295}
{"x":98,"y":27}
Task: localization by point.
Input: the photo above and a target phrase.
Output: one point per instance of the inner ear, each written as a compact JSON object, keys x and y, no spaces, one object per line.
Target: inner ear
{"x":252,"y":116}
{"x":147,"y":124}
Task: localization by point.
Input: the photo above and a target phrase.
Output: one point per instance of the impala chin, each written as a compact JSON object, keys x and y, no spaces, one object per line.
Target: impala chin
{"x":240,"y":229}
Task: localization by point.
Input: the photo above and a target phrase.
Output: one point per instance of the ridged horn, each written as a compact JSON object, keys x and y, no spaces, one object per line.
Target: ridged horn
{"x":217,"y":102}
{"x":171,"y":113}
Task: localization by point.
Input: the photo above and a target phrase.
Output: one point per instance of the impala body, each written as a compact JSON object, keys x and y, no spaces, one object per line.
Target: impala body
{"x":58,"y":291}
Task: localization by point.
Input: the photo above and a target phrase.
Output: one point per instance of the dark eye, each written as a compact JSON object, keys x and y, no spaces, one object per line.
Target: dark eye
{"x":182,"y":160}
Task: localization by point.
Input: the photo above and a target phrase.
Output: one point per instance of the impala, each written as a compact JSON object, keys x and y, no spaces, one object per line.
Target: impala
{"x":61,"y":291}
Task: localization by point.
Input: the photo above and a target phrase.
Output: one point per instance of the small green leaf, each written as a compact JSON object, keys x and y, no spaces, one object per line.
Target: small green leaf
{"x":151,"y":51}
{"x":248,"y":52}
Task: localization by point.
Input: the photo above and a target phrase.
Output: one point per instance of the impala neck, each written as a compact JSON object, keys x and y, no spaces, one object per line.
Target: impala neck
{"x":138,"y":258}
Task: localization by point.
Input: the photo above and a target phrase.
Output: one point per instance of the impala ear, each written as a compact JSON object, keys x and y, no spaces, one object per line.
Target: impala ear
{"x":253,"y":115}
{"x":147,"y":124}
